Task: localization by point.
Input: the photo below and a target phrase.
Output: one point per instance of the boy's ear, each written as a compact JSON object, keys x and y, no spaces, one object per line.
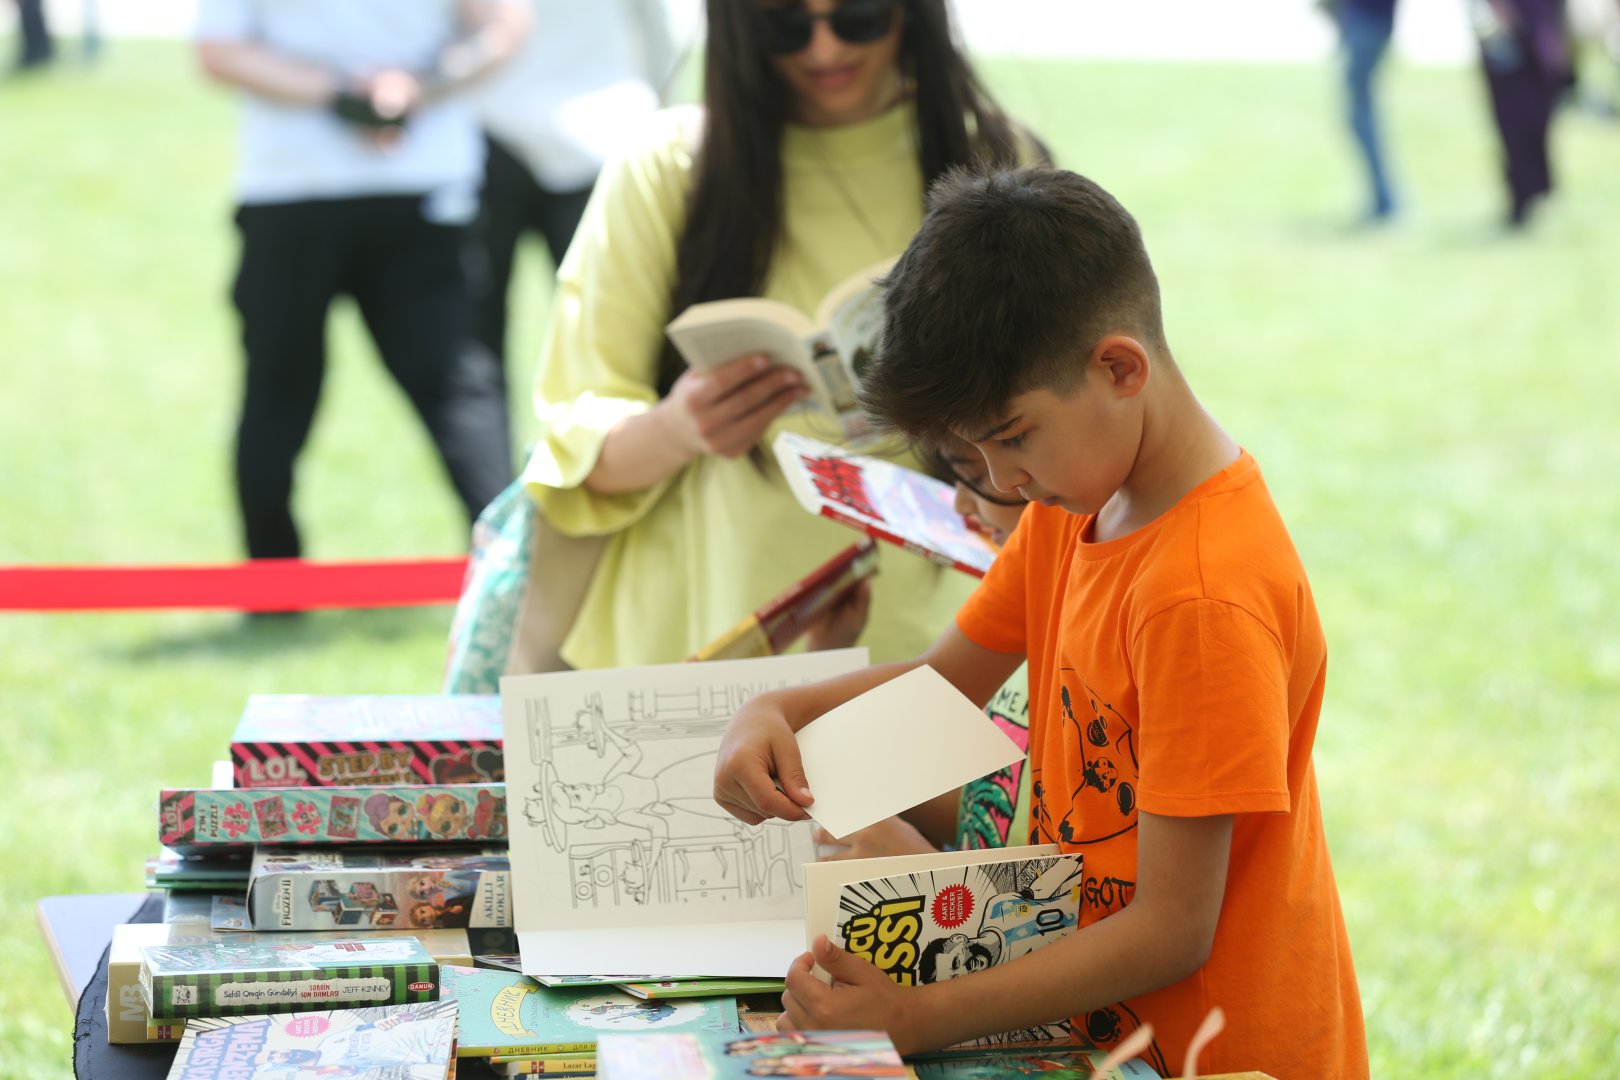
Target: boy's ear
{"x":1123,"y":362}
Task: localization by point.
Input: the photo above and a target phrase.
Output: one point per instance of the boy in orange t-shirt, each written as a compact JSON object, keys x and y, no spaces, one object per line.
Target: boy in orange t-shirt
{"x":1176,"y":662}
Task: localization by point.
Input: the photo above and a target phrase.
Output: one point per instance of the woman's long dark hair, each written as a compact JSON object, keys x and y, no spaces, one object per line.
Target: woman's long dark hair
{"x":734,"y":211}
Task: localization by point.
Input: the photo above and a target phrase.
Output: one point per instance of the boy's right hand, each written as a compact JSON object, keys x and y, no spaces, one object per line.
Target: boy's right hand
{"x":726,"y":411}
{"x":758,"y":752}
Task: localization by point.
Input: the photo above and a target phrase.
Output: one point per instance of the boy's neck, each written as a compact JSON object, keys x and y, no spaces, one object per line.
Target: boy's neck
{"x":1181,"y":447}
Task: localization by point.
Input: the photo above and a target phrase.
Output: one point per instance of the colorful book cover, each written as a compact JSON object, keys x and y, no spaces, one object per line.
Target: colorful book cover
{"x":1058,"y":1063}
{"x":302,"y":740}
{"x":784,"y":619}
{"x":392,"y":1042}
{"x":512,"y":1015}
{"x":266,"y":975}
{"x":197,"y":819}
{"x":700,"y":1056}
{"x":928,"y":918}
{"x":691,"y":988}
{"x":128,"y":1020}
{"x":351,"y":888}
{"x":883,"y":499}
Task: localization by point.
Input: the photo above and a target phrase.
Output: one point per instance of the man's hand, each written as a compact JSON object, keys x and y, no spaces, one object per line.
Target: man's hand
{"x":891,"y":836}
{"x":726,"y":411}
{"x":758,"y":752}
{"x":861,"y":997}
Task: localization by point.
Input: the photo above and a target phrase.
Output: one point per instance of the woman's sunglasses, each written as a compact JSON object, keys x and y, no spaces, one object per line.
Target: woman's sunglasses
{"x":859,"y":22}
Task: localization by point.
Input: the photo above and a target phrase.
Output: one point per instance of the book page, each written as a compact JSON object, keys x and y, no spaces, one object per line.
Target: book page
{"x":897,"y":746}
{"x":621,"y":859}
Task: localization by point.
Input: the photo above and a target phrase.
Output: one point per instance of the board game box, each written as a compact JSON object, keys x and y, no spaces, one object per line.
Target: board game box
{"x":199,"y":819}
{"x":390,"y":1042}
{"x":303,"y":740}
{"x":266,"y":975}
{"x":355,"y":888}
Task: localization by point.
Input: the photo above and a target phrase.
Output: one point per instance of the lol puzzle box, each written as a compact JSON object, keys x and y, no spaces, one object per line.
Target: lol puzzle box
{"x":304,"y":740}
{"x":200,"y":819}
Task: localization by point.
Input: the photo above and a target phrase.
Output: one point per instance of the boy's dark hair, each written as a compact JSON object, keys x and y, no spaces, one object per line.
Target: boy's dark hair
{"x":1013,"y":277}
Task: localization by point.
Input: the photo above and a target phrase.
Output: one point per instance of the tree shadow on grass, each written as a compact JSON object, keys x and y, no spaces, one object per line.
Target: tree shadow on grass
{"x":250,"y":637}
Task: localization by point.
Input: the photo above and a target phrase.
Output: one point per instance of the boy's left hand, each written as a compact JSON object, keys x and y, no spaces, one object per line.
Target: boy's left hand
{"x":861,"y":997}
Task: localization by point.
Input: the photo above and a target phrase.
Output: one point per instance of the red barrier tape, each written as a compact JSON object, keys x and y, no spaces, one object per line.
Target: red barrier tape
{"x":257,"y":585}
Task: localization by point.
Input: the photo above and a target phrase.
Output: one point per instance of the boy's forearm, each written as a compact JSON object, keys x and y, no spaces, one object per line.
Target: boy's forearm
{"x":802,"y":704}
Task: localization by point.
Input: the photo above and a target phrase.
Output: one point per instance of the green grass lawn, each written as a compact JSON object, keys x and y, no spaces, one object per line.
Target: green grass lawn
{"x":1434,"y":405}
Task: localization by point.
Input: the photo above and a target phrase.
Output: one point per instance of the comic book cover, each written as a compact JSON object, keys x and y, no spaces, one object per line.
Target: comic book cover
{"x":271,"y":974}
{"x":703,"y":1056}
{"x":883,"y":499}
{"x":303,"y":740}
{"x":927,"y":918}
{"x":127,"y":1016}
{"x":390,"y":1042}
{"x":356,"y":888}
{"x":507,"y":1014}
{"x":201,"y":819}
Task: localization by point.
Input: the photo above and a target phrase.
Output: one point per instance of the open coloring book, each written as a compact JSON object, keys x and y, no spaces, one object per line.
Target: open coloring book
{"x":621,"y":859}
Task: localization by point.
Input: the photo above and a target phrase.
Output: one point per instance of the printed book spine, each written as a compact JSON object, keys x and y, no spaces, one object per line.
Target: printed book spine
{"x":247,"y":990}
{"x":358,"y":899}
{"x":886,"y":536}
{"x":194,"y":819}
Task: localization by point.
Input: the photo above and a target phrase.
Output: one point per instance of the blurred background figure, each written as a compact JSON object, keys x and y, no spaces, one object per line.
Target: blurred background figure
{"x":36,"y":50}
{"x":358,"y":174}
{"x":1365,"y":27}
{"x":586,"y":78}
{"x":1524,"y":50}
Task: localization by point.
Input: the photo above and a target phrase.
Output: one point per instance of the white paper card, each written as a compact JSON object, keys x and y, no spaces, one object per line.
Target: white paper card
{"x":897,"y":745}
{"x":616,"y":840}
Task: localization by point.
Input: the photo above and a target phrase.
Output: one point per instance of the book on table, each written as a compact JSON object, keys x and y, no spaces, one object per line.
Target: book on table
{"x":193,"y":820}
{"x":390,"y":1042}
{"x":830,"y":349}
{"x":883,"y":499}
{"x":507,"y":1015}
{"x":705,"y":1056}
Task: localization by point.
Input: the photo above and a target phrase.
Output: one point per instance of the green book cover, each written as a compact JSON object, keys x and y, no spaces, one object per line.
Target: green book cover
{"x":233,"y":978}
{"x":509,"y":1014}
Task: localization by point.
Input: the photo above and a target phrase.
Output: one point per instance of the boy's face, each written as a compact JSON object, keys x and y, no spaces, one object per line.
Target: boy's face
{"x":1073,"y":450}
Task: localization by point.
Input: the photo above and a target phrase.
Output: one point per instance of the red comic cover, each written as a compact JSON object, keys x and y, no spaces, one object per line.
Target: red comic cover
{"x":883,"y":499}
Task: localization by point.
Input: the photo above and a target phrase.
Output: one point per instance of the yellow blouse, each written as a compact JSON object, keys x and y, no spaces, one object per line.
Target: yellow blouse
{"x":691,"y":556}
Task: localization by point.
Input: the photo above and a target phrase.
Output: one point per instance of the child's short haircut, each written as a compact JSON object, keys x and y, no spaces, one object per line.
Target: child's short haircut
{"x":1013,"y":277}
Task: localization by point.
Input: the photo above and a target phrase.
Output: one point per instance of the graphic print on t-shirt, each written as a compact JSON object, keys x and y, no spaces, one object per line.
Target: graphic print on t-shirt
{"x":1102,"y":802}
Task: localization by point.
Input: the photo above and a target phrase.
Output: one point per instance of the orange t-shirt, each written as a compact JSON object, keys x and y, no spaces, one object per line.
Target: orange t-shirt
{"x":1179,"y":670}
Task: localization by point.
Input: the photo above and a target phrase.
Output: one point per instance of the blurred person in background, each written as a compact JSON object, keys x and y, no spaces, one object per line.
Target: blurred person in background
{"x":1365,"y":29}
{"x":822,"y":125}
{"x":36,"y":48}
{"x":358,"y":174}
{"x":1524,"y":51}
{"x":587,"y":79}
